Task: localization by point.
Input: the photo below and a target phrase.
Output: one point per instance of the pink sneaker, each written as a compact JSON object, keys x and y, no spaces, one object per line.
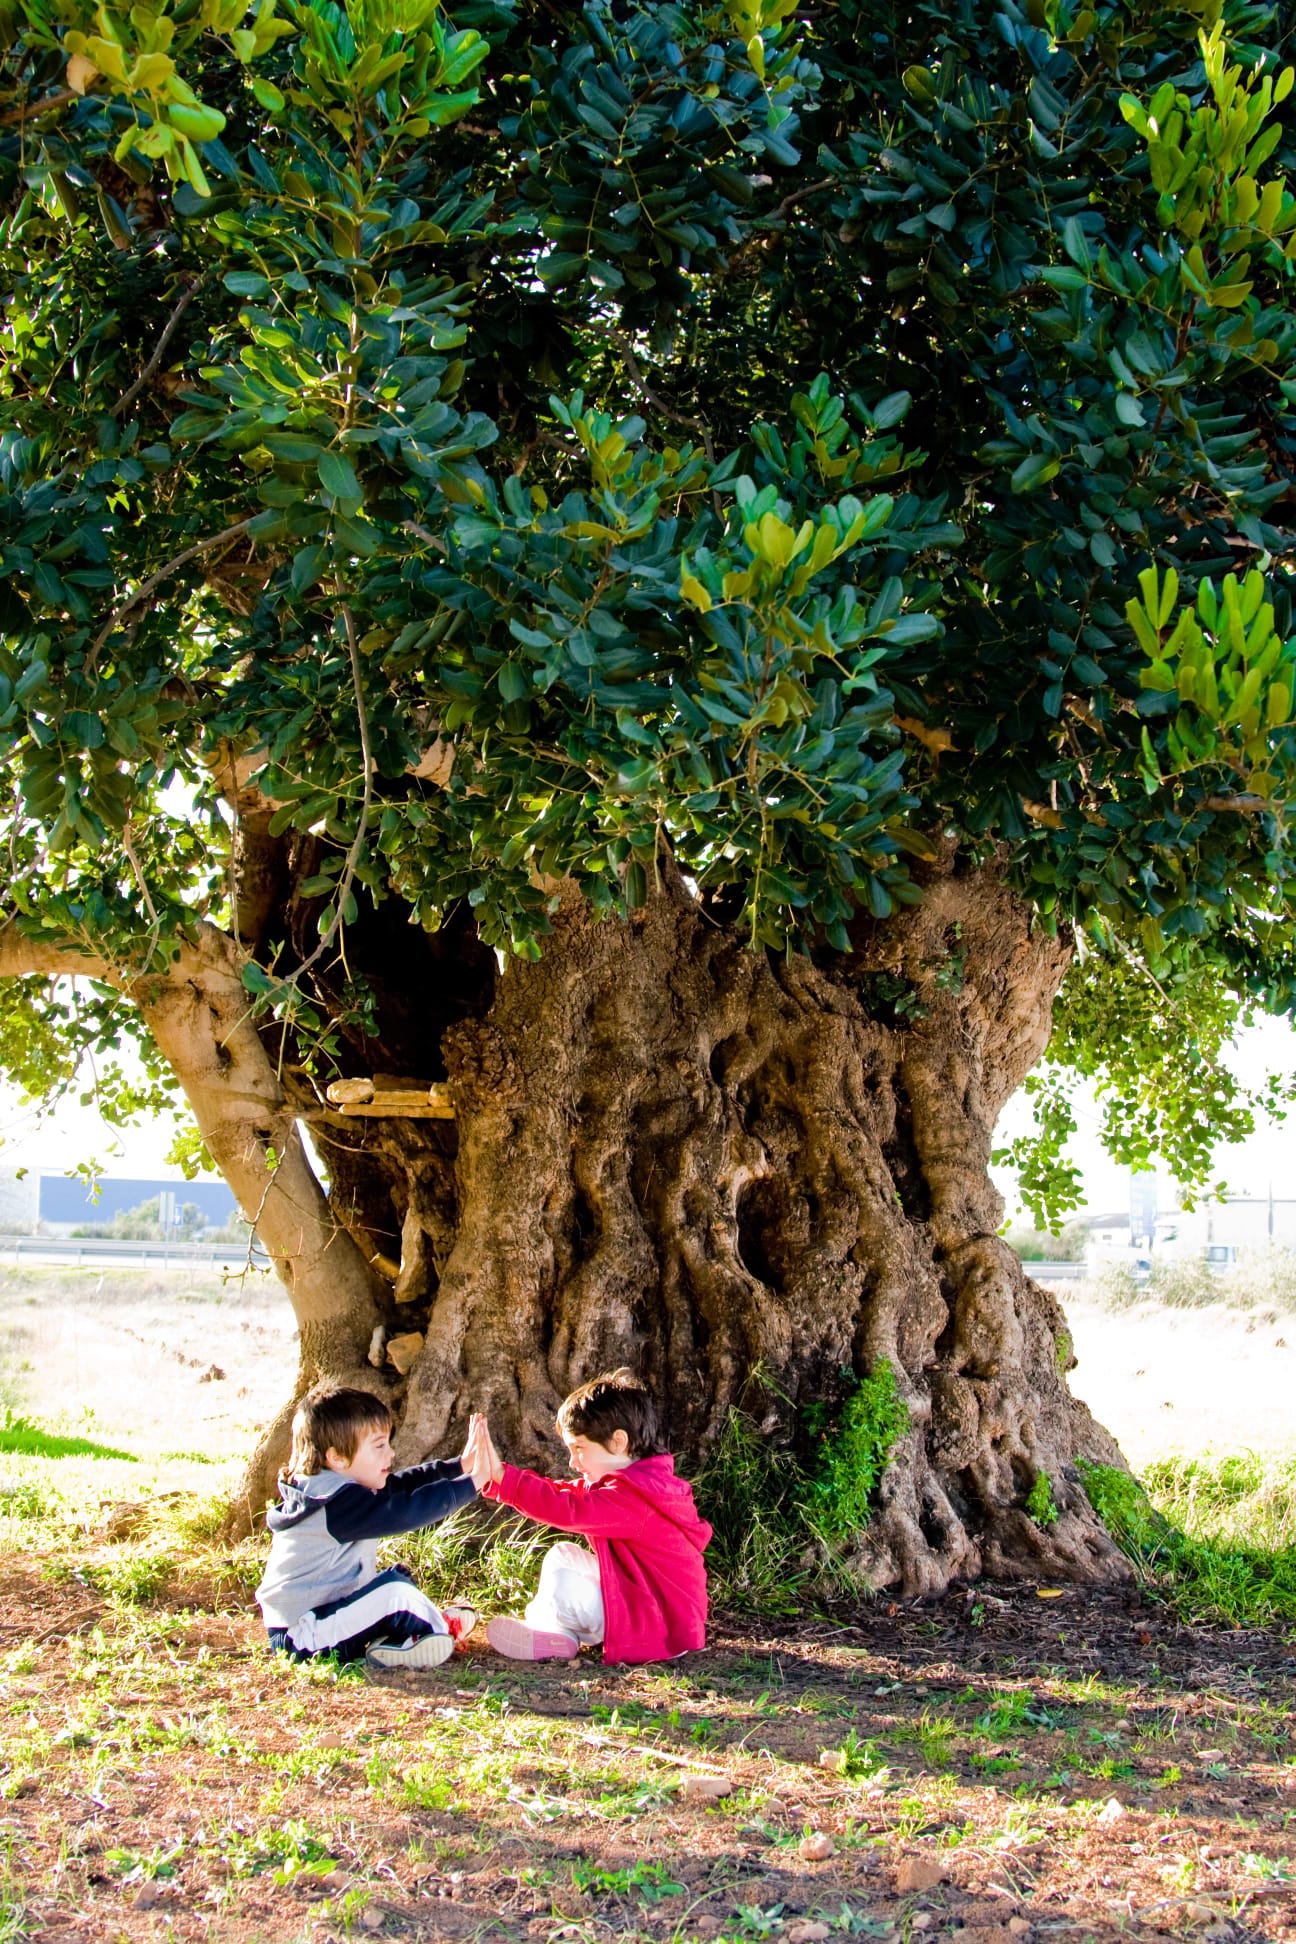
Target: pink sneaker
{"x":520,"y":1642}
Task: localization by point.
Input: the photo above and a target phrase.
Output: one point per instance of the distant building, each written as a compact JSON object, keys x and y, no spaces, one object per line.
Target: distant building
{"x":64,"y":1202}
{"x":1216,"y":1231}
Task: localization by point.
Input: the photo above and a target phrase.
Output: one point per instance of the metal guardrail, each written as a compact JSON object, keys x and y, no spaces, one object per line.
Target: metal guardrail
{"x":90,"y":1249}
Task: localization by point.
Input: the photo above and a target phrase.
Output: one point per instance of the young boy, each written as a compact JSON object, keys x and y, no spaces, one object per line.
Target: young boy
{"x":642,"y":1590}
{"x":322,"y":1592}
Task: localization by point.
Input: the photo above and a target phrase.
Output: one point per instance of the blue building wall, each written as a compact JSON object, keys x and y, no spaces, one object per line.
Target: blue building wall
{"x":65,"y":1199}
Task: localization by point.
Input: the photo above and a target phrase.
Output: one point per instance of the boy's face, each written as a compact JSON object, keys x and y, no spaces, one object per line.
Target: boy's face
{"x":372,"y":1460}
{"x":594,"y":1461}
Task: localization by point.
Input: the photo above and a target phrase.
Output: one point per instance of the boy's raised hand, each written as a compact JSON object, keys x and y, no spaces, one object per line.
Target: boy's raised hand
{"x":481,"y":1460}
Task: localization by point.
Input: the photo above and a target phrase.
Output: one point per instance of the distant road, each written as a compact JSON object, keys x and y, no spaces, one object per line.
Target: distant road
{"x":98,"y":1252}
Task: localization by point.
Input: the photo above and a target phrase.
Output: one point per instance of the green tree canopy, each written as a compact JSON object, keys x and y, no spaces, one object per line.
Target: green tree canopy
{"x":499,"y":443}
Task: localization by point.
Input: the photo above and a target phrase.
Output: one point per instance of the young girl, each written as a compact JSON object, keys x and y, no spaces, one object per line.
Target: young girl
{"x":642,"y":1590}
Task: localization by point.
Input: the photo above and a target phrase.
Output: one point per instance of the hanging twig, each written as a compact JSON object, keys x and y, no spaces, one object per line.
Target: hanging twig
{"x":34,"y":108}
{"x":155,"y":580}
{"x":159,"y":352}
{"x":649,"y":396}
{"x":353,"y":855}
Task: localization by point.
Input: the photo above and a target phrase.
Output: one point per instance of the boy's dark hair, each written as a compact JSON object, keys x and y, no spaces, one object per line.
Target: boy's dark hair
{"x":615,"y":1401}
{"x":330,"y":1418}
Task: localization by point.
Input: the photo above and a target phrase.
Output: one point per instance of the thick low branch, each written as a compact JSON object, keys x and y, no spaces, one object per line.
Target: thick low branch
{"x":22,"y":955}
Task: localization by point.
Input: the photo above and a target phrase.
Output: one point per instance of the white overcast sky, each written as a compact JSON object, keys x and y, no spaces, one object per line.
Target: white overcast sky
{"x":55,"y":1142}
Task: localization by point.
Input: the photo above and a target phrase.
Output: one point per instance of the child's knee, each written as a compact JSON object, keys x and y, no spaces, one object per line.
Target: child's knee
{"x":570,"y":1556}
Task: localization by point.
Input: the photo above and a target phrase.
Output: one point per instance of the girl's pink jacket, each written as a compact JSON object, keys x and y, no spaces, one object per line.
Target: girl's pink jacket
{"x":649,"y":1539}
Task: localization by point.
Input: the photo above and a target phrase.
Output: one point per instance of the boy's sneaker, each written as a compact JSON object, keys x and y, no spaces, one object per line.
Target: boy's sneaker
{"x":433,"y":1650}
{"x":520,"y":1642}
{"x":460,"y":1618}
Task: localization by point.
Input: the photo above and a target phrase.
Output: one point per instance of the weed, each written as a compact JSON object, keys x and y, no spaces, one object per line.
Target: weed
{"x":425,"y":1787}
{"x":936,"y":1736}
{"x":751,"y":1493}
{"x":648,"y":1881}
{"x":1235,"y":1577}
{"x":288,"y":1852}
{"x":855,"y":1454}
{"x":23,"y":1499}
{"x":132,"y":1867}
{"x":1275,"y":1868}
{"x":857,"y":1761}
{"x":1039,"y":1502}
{"x":134,"y":1579}
{"x":14,"y":1926}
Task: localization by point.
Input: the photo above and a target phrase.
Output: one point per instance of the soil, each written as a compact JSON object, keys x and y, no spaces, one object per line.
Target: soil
{"x":1009,"y":1765}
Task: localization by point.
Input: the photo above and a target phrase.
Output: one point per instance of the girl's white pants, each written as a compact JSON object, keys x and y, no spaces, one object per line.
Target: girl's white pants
{"x":569,"y":1598}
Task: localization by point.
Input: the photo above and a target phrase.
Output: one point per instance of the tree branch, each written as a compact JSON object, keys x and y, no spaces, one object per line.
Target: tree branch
{"x":21,"y":955}
{"x":1246,"y":805}
{"x":142,"y":593}
{"x":649,"y":396}
{"x":357,"y":843}
{"x":34,"y":108}
{"x":159,"y":351}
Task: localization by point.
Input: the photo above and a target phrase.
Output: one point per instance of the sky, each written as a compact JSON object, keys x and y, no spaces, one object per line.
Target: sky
{"x":56,"y":1142}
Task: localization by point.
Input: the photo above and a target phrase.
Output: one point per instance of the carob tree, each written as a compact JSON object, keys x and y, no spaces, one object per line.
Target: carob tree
{"x":683,"y":571}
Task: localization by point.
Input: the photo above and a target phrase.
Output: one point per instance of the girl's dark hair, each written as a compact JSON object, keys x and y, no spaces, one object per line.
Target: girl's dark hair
{"x":330,"y":1418}
{"x":615,"y":1401}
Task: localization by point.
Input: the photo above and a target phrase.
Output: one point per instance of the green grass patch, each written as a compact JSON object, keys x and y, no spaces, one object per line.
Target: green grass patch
{"x":782,"y":1514}
{"x":1215,"y":1537}
{"x":18,"y":1435}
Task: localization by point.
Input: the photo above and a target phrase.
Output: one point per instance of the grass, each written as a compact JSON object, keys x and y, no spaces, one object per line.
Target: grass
{"x":1216,"y":1538}
{"x":20,"y":1435}
{"x":551,"y":1802}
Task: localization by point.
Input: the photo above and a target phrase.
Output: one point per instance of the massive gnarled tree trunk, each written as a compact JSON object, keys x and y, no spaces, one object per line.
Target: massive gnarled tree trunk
{"x":744,"y":1175}
{"x":748,"y":1176}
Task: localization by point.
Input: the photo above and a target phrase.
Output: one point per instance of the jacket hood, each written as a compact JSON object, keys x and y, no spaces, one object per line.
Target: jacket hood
{"x":654,"y":1479}
{"x":302,"y":1498}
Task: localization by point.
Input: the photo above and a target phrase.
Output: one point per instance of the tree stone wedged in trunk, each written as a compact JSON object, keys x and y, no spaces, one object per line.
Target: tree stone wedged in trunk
{"x":740,"y":1174}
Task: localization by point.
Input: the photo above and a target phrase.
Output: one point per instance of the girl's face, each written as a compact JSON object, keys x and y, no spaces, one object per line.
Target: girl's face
{"x":592,"y":1460}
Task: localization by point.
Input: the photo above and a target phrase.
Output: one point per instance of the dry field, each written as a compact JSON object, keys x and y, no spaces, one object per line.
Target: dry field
{"x":1004,"y":1765}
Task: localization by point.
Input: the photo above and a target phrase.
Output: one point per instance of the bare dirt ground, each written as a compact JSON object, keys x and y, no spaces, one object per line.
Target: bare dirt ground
{"x":1013,"y":1769}
{"x":162,"y":1360}
{"x":1186,"y":1381}
{"x":1004,"y":1765}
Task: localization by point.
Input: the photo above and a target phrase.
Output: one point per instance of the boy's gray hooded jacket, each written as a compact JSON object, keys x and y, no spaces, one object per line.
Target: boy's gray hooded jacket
{"x":325,"y":1532}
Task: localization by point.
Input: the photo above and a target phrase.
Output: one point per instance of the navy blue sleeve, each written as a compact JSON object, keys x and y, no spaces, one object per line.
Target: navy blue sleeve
{"x":414,"y":1476}
{"x":357,"y":1513}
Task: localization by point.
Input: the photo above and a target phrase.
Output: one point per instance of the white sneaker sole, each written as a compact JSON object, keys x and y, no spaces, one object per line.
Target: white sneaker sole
{"x":434,"y":1650}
